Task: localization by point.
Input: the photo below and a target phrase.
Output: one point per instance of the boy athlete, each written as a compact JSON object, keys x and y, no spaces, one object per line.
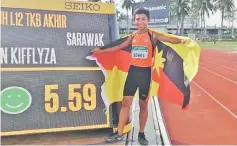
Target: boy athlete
{"x":139,"y":74}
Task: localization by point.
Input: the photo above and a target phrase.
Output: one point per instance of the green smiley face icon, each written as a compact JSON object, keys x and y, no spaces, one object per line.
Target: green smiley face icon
{"x":15,"y":100}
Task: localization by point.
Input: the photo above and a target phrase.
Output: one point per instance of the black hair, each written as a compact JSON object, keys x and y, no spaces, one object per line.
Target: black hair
{"x":142,"y":11}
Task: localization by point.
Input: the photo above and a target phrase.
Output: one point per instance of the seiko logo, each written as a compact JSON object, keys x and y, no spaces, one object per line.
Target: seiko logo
{"x":81,"y":6}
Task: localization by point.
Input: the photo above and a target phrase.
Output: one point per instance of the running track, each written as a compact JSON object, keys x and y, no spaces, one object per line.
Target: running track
{"x":212,"y":116}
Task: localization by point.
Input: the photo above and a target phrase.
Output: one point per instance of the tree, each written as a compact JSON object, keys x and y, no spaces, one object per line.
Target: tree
{"x":127,"y":4}
{"x":173,"y":12}
{"x":179,"y":12}
{"x":224,"y":6}
{"x":228,"y":16}
{"x":234,"y":14}
{"x":183,"y":12}
{"x":204,"y":7}
{"x":178,"y":16}
{"x":120,"y":16}
{"x":172,"y":8}
{"x":193,"y":16}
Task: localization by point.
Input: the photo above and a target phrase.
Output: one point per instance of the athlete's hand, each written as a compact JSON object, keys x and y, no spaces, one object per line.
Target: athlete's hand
{"x":184,"y":41}
{"x":96,"y":50}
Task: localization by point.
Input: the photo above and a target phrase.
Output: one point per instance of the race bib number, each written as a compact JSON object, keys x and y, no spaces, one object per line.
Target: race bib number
{"x":140,"y":52}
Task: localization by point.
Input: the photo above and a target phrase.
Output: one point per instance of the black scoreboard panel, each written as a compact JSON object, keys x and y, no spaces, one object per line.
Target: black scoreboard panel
{"x":47,"y":84}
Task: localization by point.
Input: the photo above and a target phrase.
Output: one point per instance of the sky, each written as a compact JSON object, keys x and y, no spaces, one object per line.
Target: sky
{"x":216,"y":18}
{"x":212,"y":21}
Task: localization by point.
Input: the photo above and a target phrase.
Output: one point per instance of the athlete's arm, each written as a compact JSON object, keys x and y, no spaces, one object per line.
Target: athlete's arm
{"x":115,"y":48}
{"x":163,"y":38}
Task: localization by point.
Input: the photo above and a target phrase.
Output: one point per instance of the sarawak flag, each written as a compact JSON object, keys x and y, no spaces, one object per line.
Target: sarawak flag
{"x":175,"y":65}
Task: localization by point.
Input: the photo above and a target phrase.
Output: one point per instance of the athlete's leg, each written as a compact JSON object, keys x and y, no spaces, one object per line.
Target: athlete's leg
{"x":144,"y":86}
{"x":143,"y":114}
{"x":124,"y":113}
{"x":143,"y":118}
{"x":128,"y":93}
{"x":130,"y":88}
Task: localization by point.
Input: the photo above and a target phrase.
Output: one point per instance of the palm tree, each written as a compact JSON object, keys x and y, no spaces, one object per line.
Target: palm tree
{"x":178,"y":15}
{"x":193,"y":15}
{"x":173,"y":11}
{"x":172,"y":8}
{"x":234,"y":14}
{"x":120,"y":16}
{"x":183,"y":12}
{"x":204,"y":7}
{"x":224,"y":6}
{"x":127,"y":4}
{"x":228,"y":17}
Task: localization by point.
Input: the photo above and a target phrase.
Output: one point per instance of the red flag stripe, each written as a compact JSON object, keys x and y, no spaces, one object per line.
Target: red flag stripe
{"x":169,"y":90}
{"x":121,"y":59}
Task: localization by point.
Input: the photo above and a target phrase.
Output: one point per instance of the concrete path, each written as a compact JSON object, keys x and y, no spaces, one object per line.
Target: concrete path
{"x":152,"y":133}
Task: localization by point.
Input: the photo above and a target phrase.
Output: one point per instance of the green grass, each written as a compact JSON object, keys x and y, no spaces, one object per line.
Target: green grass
{"x":223,"y":45}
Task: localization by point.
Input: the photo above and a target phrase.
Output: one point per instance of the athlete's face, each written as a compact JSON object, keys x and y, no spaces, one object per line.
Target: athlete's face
{"x":141,"y":21}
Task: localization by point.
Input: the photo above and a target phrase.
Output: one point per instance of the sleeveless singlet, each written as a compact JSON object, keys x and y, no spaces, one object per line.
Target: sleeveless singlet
{"x":141,"y":50}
